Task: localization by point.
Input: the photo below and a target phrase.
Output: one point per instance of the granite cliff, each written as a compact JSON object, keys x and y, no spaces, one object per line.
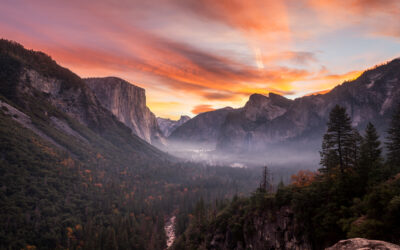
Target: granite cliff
{"x":201,"y":130}
{"x":128,"y":103}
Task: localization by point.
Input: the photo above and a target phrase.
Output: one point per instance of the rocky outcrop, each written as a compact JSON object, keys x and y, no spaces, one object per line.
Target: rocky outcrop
{"x":78,"y":101}
{"x":363,"y":244}
{"x":262,"y":108}
{"x":276,"y":231}
{"x":128,"y":103}
{"x":253,"y":126}
{"x":201,"y":130}
{"x":167,"y":126}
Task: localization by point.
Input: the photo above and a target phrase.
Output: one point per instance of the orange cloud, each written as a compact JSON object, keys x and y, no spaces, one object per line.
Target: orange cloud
{"x":297,"y":57}
{"x":202,"y":108}
{"x":321,"y":92}
{"x":325,"y":81}
{"x":348,"y":76}
{"x":376,"y":16}
{"x":262,"y":16}
{"x":168,"y":109}
{"x":188,"y":69}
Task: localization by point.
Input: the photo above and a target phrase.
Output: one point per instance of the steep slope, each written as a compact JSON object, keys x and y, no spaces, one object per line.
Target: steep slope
{"x":128,"y":103}
{"x":167,"y":126}
{"x":202,"y":129}
{"x":54,"y":96}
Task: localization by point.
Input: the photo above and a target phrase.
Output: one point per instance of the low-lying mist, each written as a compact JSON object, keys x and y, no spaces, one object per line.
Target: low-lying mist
{"x":282,"y":159}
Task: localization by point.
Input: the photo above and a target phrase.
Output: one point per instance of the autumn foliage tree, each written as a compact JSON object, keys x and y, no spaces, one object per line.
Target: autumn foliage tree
{"x":303,"y":178}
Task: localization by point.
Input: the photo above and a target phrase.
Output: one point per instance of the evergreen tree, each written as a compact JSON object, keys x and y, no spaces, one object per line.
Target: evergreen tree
{"x":338,"y":140}
{"x":371,"y":146}
{"x":353,"y":155}
{"x":393,"y":142}
{"x":265,"y":180}
{"x":371,"y":158}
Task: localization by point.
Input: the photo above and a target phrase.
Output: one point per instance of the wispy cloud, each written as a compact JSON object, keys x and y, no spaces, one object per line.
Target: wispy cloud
{"x":202,"y":108}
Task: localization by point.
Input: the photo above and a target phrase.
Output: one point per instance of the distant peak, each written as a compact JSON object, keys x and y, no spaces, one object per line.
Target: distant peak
{"x":227,"y":108}
{"x":277,"y":97}
{"x":271,"y":94}
{"x":256,"y":100}
{"x":184,"y":118}
{"x":257,"y":97}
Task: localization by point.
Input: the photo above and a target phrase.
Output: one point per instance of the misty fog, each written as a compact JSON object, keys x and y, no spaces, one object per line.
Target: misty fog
{"x":282,"y":159}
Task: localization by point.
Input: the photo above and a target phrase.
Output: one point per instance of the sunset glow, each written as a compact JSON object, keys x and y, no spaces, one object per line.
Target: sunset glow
{"x":193,"y":56}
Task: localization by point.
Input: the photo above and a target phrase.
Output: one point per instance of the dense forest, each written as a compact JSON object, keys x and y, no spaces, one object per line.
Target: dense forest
{"x":355,"y":193}
{"x":97,"y":187}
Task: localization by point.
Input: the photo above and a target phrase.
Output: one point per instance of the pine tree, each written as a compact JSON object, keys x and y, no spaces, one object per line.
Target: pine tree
{"x":265,"y":184}
{"x":371,"y":146}
{"x":338,"y":140}
{"x":371,"y":158}
{"x":393,"y":142}
{"x":354,"y":153}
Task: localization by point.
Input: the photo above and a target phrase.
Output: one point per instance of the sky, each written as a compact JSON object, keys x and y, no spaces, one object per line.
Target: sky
{"x":193,"y":56}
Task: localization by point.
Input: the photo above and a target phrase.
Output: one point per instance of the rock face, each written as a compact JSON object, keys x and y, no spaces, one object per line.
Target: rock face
{"x":254,"y":125}
{"x":267,"y":121}
{"x":71,"y":96}
{"x":167,"y":126}
{"x":201,"y":130}
{"x":277,"y":232}
{"x":364,"y":244}
{"x":55,"y":99}
{"x":128,"y":103}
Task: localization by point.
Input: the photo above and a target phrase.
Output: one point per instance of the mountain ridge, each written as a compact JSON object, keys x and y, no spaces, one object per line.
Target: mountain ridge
{"x":274,"y":119}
